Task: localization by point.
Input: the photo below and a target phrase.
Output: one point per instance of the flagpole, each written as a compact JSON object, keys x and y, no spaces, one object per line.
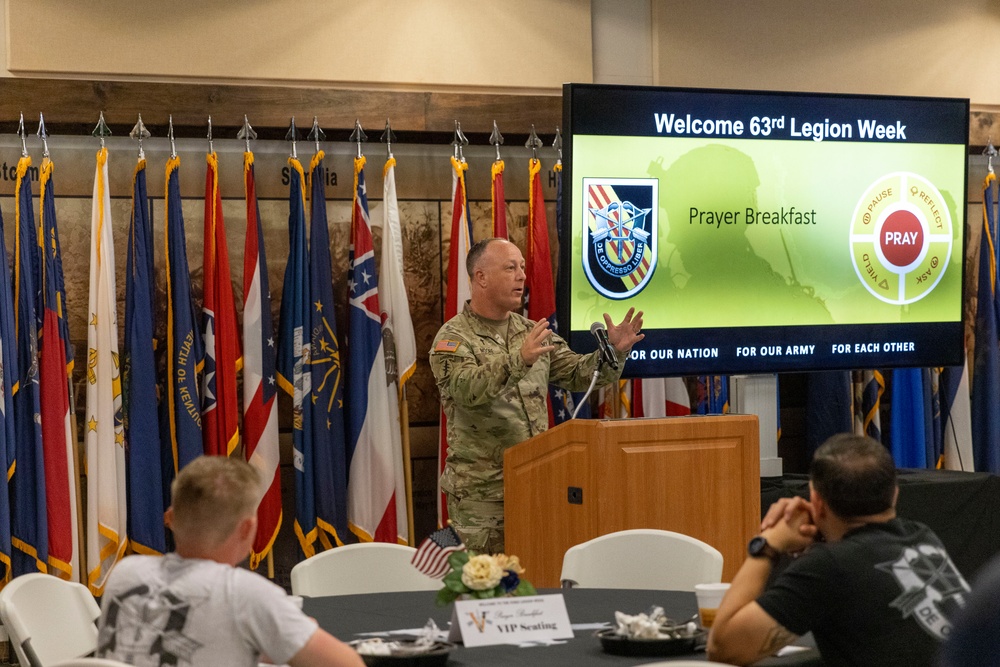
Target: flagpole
{"x":404,"y":428}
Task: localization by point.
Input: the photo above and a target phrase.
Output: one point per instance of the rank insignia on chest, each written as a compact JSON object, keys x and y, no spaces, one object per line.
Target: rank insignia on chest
{"x":447,"y":346}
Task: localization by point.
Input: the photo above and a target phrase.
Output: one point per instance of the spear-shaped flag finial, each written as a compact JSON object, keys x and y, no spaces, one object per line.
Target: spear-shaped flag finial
{"x":316,"y":134}
{"x":557,"y":144}
{"x":293,"y":136}
{"x":459,"y":142}
{"x":101,"y":130}
{"x":170,"y":135}
{"x":388,"y":136}
{"x":358,"y":135}
{"x":43,"y":135}
{"x":21,"y":132}
{"x":140,"y":132}
{"x":211,"y":144}
{"x":496,"y":139}
{"x":533,"y":142}
{"x":246,"y":132}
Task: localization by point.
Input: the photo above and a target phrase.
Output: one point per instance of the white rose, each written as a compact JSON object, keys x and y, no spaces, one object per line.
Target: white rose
{"x":481,"y":573}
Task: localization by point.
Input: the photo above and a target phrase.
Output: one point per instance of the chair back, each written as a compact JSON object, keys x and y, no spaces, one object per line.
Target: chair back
{"x":49,"y":620}
{"x":370,"y":567}
{"x":643,"y":558}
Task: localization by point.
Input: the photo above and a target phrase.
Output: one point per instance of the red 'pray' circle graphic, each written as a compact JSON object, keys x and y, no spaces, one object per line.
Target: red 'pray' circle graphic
{"x":901,"y":238}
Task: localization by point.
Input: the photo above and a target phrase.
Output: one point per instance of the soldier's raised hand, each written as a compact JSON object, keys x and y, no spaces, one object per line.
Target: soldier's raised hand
{"x":534,"y":345}
{"x":627,"y":333}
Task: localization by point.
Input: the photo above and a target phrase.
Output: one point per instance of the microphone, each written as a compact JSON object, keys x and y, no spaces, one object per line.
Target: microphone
{"x":608,"y":355}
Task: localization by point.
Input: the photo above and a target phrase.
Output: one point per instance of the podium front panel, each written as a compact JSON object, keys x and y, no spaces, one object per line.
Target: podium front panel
{"x":694,"y":475}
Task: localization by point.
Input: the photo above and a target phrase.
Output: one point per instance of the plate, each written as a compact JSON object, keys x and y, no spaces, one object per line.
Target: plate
{"x":436,"y":656}
{"x":618,"y":645}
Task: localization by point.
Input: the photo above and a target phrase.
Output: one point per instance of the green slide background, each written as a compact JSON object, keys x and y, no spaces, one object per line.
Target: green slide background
{"x":757,"y":275}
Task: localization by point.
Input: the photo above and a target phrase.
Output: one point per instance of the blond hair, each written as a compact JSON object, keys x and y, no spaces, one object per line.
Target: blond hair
{"x":211,"y":495}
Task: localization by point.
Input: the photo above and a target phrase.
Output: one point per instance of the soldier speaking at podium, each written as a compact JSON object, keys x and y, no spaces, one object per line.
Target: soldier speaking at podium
{"x":493,"y":367}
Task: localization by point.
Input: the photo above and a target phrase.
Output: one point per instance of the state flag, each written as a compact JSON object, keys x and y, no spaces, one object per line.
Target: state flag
{"x":373,"y":453}
{"x":105,"y":441}
{"x":219,"y":407}
{"x":868,"y":389}
{"x":143,"y":447}
{"x":260,"y":404}
{"x":57,"y":435}
{"x":986,"y":365}
{"x":458,"y":292}
{"x":184,"y":346}
{"x":294,"y":359}
{"x":660,"y":397}
{"x":328,"y":432}
{"x":8,"y":435}
{"x":397,"y":330}
{"x":29,"y":519}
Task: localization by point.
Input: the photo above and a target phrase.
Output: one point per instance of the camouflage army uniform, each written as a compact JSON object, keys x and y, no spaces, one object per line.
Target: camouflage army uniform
{"x":493,"y":401}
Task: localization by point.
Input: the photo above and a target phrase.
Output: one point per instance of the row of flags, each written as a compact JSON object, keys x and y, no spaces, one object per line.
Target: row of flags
{"x":141,"y":429}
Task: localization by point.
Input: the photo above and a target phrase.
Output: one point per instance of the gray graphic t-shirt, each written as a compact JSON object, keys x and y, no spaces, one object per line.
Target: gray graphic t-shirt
{"x":159,"y":611}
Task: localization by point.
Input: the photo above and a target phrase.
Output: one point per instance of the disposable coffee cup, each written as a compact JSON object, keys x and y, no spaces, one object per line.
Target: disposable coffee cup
{"x":709,"y":598}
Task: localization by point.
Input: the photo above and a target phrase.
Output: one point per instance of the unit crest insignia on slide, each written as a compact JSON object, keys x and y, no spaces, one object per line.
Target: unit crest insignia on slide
{"x":619,"y":234}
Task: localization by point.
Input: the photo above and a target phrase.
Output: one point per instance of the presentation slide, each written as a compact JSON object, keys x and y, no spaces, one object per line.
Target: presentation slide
{"x":764,"y":232}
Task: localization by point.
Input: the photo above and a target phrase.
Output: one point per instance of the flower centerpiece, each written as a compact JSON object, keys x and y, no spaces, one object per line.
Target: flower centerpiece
{"x":483,"y":576}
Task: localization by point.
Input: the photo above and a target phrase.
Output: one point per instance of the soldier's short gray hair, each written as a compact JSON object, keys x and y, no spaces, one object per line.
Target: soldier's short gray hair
{"x":476,"y":253}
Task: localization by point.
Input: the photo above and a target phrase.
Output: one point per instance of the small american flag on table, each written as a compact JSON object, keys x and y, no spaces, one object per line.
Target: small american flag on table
{"x":431,"y":557}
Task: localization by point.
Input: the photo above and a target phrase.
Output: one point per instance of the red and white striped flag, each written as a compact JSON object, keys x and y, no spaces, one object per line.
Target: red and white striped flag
{"x":260,"y":405}
{"x":660,"y":397}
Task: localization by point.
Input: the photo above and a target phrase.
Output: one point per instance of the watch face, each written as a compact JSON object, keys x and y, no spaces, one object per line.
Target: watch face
{"x":757,"y":546}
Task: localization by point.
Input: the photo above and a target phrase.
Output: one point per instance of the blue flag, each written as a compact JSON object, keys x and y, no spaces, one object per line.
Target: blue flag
{"x":713,"y":394}
{"x":828,"y":407}
{"x":329,"y":448}
{"x":293,"y":353}
{"x":908,"y":428}
{"x":29,"y":521}
{"x":986,"y":371}
{"x":144,"y":476}
{"x":184,"y":345}
{"x":8,"y":436}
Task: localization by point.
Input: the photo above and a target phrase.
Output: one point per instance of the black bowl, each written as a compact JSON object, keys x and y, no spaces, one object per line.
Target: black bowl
{"x":618,"y":645}
{"x":436,"y":656}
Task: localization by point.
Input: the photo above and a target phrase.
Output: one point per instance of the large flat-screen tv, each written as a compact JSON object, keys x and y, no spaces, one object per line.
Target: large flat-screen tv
{"x":762,"y":231}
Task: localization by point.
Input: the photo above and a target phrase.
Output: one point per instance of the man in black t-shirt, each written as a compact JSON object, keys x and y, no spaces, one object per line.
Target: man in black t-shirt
{"x":873,"y":589}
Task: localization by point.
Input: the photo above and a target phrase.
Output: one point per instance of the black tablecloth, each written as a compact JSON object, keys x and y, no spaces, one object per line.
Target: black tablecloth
{"x":345,"y":616}
{"x":963,"y":508}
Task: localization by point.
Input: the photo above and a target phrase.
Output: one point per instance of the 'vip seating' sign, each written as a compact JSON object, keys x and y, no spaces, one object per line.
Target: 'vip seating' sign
{"x":510,"y":620}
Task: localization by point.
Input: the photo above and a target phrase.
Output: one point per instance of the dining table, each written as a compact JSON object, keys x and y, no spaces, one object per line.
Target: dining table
{"x":399,"y":615}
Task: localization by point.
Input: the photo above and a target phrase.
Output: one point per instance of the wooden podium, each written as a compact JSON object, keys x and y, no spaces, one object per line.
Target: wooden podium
{"x":584,"y":478}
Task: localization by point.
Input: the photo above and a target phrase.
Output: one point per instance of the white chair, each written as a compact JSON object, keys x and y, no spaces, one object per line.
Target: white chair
{"x":48,"y":619}
{"x":370,"y":567}
{"x":93,"y":662}
{"x":643,"y":558}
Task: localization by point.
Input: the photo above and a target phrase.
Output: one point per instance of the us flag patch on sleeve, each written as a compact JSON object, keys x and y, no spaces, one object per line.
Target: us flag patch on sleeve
{"x":447,"y":346}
